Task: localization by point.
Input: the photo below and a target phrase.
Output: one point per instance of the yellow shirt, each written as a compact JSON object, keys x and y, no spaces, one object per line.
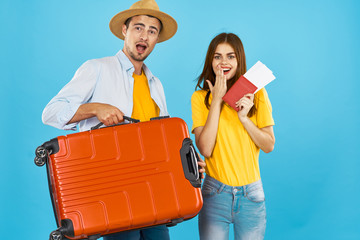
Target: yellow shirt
{"x":144,"y":107}
{"x":235,"y":158}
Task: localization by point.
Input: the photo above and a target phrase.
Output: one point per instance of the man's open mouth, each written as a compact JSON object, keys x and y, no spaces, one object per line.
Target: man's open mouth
{"x":141,"y":47}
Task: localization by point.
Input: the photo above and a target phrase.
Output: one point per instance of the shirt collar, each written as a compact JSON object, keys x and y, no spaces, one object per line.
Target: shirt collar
{"x":148,"y":73}
{"x":128,"y":66}
{"x":124,"y":60}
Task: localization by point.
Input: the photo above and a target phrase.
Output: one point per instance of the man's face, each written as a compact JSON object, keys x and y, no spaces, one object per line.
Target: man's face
{"x":141,"y":37}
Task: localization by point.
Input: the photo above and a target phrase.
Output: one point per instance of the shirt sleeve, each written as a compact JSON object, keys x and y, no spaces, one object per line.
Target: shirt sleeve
{"x":60,"y":110}
{"x":264,"y":116}
{"x":199,"y":110}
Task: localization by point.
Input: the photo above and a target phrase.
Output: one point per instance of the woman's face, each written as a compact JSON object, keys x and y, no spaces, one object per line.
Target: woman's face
{"x":225,"y":60}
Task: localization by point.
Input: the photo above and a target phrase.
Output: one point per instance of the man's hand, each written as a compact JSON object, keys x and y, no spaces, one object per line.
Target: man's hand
{"x":107,"y":114}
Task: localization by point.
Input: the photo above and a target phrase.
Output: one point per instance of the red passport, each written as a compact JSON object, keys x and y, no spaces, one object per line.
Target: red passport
{"x":241,"y":87}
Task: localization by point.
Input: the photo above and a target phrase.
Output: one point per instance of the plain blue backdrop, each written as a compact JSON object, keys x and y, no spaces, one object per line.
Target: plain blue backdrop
{"x":312,"y":177}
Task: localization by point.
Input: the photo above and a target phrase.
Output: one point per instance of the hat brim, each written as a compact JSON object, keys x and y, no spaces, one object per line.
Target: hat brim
{"x":169,"y":24}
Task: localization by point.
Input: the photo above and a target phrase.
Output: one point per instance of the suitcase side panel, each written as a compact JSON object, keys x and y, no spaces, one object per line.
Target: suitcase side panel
{"x":190,"y":198}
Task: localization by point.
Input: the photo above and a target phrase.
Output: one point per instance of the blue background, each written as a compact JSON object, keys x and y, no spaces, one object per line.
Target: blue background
{"x":312,"y":177}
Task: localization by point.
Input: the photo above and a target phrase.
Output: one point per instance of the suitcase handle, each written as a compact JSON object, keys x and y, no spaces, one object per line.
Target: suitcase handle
{"x":159,"y":118}
{"x":189,"y":159}
{"x":124,"y":117}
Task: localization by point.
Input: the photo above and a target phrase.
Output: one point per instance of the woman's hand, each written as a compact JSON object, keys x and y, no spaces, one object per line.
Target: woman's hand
{"x":201,"y":166}
{"x":264,"y":137}
{"x":244,"y":105}
{"x":205,"y":136}
{"x":220,"y":87}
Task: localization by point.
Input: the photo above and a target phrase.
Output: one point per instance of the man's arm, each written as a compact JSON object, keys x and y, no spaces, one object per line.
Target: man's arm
{"x":63,"y":107}
{"x":105,"y":113}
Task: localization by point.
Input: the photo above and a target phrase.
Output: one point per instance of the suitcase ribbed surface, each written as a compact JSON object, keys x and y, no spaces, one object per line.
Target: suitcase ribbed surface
{"x":123,"y":177}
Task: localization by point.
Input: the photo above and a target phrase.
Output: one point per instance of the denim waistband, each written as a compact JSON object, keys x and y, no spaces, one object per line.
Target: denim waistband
{"x":221,"y":187}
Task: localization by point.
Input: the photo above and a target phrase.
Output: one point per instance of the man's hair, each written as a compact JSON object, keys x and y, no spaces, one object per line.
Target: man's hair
{"x":127,"y":22}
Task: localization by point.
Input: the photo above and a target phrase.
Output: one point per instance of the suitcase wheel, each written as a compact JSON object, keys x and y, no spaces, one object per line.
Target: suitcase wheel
{"x":56,"y":235}
{"x":41,"y":155}
{"x":39,"y":161}
{"x":174,"y":222}
{"x":41,"y":152}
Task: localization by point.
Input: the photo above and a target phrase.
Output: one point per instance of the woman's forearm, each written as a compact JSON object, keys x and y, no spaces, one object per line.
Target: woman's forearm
{"x":205,"y":136}
{"x":264,"y":138}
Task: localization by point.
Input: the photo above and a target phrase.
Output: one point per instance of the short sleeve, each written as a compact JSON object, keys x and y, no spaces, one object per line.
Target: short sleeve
{"x":199,"y":110}
{"x":264,"y":116}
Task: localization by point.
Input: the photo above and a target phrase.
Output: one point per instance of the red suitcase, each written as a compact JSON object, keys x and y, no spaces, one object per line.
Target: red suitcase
{"x":122,"y":177}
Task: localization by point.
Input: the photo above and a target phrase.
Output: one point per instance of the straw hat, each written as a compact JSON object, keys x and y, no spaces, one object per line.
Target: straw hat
{"x":144,"y":7}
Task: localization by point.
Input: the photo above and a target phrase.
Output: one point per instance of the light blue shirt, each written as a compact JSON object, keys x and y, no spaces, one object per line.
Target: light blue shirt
{"x":106,"y":80}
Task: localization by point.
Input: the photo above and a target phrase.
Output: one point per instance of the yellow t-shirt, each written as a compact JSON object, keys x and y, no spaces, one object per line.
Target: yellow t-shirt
{"x":144,"y":107}
{"x":235,"y":158}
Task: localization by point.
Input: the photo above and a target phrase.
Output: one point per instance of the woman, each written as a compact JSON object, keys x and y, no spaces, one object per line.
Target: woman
{"x":230,"y":141}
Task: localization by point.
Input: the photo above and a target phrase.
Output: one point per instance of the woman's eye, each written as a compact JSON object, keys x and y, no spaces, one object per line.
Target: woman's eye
{"x":217,"y":57}
{"x":231,"y":57}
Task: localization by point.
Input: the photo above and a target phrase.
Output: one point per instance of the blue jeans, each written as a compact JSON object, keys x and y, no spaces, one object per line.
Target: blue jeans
{"x":154,"y":233}
{"x":244,"y":207}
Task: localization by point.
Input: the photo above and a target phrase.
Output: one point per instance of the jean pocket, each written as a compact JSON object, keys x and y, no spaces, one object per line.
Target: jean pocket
{"x":208,"y":191}
{"x":256,"y":195}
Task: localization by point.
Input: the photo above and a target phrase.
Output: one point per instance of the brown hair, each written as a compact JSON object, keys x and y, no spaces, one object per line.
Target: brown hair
{"x":208,"y":72}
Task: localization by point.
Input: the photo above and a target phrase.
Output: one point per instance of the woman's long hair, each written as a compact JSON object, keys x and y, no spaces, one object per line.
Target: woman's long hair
{"x":208,"y":72}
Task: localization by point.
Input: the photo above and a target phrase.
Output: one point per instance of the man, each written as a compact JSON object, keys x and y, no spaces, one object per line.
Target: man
{"x":102,"y":89}
{"x":106,"y":89}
